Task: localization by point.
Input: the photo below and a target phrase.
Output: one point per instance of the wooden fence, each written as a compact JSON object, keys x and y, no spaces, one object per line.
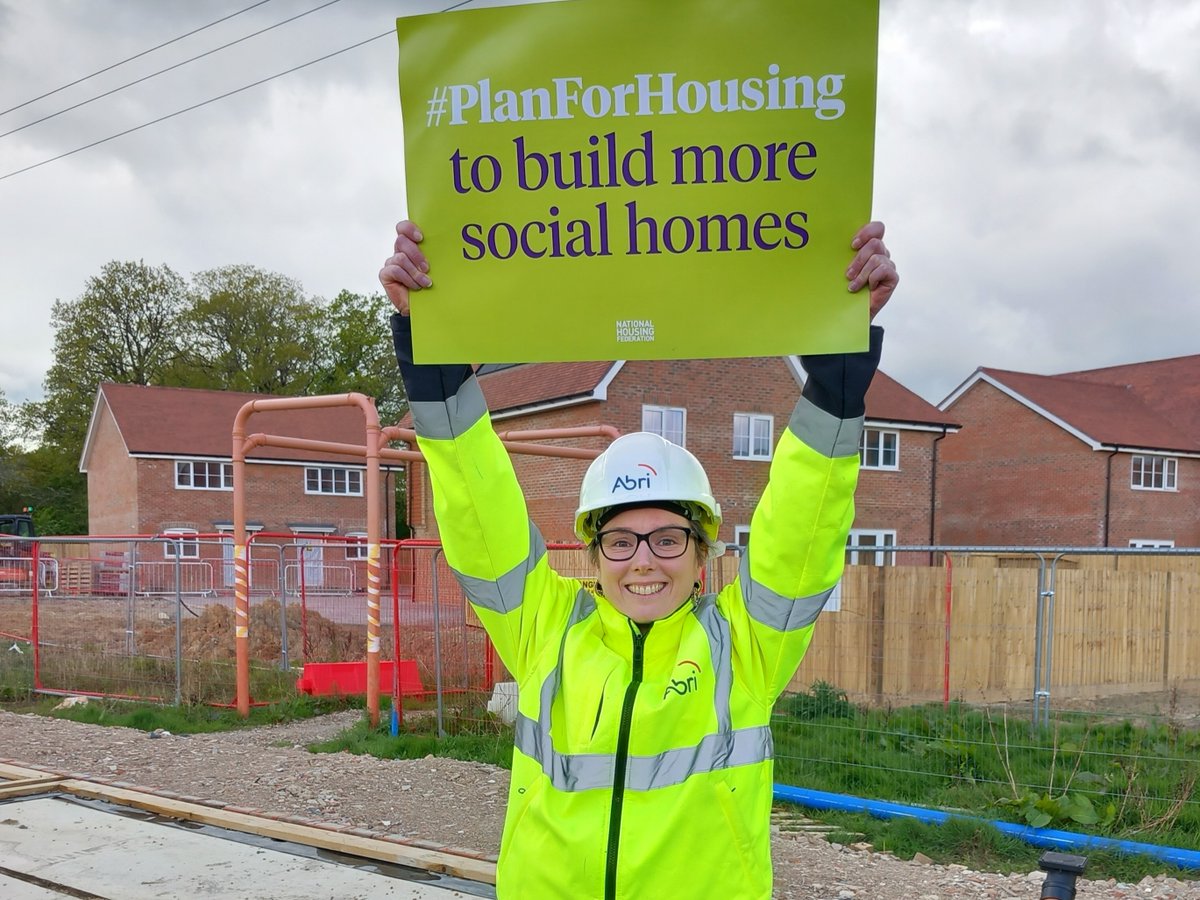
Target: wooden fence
{"x":1113,"y":632}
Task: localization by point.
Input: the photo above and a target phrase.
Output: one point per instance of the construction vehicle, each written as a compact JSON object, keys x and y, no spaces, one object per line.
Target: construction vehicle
{"x":16,"y":532}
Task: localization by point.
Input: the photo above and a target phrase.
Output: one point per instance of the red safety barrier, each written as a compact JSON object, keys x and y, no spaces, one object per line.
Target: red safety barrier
{"x":351,"y":677}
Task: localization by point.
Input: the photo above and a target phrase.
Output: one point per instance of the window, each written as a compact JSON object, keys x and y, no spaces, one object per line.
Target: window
{"x":357,"y":547}
{"x":1150,"y":544}
{"x":201,"y":475}
{"x":330,"y":480}
{"x":185,"y":542}
{"x":741,"y":536}
{"x":665,"y":421}
{"x":879,"y":449}
{"x":1152,"y":473}
{"x":752,"y":436}
{"x":862,"y":540}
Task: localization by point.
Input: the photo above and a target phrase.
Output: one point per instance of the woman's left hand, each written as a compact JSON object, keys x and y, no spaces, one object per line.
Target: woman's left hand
{"x":872,"y":266}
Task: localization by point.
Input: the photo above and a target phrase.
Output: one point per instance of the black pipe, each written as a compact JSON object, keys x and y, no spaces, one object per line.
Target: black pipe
{"x":1062,"y":869}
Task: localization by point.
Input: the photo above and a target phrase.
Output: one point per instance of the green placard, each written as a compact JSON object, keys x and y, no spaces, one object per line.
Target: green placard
{"x":665,"y":179}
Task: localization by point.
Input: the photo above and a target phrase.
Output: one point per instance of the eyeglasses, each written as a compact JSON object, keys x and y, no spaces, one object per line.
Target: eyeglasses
{"x":621,"y":544}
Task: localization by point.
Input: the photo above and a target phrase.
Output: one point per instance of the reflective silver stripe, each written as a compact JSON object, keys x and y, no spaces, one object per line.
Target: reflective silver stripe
{"x":445,"y":419}
{"x":716,"y":626}
{"x":592,"y":771}
{"x":825,"y":433}
{"x":504,"y":594}
{"x":567,"y":773}
{"x":774,"y":610}
{"x":723,"y":749}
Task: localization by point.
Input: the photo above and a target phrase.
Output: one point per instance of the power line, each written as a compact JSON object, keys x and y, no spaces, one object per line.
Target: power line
{"x":179,"y":112}
{"x":131,"y":58}
{"x":169,"y":68}
{"x":389,"y":33}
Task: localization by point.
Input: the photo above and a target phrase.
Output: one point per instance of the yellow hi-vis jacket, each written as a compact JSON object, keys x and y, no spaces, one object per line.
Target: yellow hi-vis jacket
{"x":642,"y":766}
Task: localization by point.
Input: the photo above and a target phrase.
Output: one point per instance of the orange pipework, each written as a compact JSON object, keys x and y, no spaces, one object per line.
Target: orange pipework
{"x":373,"y":450}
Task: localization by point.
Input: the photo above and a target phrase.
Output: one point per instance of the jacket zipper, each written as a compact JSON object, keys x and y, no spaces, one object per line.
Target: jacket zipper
{"x":618,"y":791}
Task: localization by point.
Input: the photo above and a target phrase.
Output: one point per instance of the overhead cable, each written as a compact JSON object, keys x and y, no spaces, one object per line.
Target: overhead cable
{"x":132,"y":58}
{"x":186,"y":109}
{"x":169,"y":68}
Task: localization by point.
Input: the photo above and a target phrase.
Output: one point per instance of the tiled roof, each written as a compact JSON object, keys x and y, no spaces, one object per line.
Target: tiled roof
{"x":1152,"y":405}
{"x":890,"y":401}
{"x":515,"y":387}
{"x":533,"y":384}
{"x":189,"y":422}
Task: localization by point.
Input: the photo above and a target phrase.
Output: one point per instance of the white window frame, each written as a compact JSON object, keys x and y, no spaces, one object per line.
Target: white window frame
{"x":649,"y":423}
{"x":188,"y":548}
{"x":335,"y":475}
{"x":865,"y":444}
{"x":741,"y":536}
{"x":749,"y":438}
{"x":225,"y":473}
{"x":357,"y":547}
{"x":1161,"y":468}
{"x":1150,"y":544}
{"x":883,"y":557}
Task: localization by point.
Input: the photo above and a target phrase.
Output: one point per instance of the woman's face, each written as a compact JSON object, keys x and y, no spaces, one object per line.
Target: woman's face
{"x":646,"y":587}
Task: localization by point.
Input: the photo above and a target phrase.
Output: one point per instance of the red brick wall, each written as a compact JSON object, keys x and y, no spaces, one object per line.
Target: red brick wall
{"x":711,"y":391}
{"x":1012,"y":477}
{"x":111,"y":481}
{"x":1155,"y":515}
{"x":899,"y":500}
{"x":275,"y":499}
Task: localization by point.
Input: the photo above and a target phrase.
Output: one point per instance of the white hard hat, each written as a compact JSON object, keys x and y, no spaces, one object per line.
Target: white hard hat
{"x":644,"y":469}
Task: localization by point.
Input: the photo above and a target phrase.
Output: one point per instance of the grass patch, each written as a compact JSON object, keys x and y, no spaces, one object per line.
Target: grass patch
{"x":184,"y":719}
{"x":1084,"y":774}
{"x":471,"y":734}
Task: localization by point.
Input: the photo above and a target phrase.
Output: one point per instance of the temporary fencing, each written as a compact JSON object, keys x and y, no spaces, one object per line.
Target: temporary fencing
{"x":946,"y":665}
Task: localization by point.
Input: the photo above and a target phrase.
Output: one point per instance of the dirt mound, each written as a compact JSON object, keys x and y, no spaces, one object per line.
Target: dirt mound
{"x":210,"y":635}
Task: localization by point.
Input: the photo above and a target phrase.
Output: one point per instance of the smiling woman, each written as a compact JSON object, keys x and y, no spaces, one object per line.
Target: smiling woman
{"x":643,"y":725}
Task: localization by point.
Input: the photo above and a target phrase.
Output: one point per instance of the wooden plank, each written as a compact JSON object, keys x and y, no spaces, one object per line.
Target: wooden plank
{"x":440,"y":861}
{"x":24,"y":786}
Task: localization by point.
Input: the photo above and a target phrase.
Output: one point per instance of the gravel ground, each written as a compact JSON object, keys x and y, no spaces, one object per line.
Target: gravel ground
{"x":456,"y":804}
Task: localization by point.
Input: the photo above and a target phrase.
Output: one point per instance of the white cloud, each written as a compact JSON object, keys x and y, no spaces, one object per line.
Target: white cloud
{"x":1035,"y":163}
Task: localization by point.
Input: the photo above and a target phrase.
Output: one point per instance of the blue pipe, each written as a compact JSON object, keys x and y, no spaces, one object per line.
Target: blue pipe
{"x":1038,"y":837}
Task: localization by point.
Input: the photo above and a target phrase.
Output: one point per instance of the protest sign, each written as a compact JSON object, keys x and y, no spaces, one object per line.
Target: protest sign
{"x":610,"y":179}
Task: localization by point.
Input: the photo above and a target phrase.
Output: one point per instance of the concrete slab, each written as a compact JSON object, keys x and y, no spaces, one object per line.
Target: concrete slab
{"x":56,"y":846}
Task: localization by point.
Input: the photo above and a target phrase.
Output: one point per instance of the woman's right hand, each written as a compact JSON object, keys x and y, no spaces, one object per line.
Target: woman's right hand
{"x":406,"y":269}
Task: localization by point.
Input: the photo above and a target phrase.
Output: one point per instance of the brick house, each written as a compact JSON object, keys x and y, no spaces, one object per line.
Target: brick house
{"x":729,"y":413}
{"x":158,"y":462}
{"x":1100,"y":458}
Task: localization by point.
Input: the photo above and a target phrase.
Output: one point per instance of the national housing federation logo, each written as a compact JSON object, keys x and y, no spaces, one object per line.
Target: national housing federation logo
{"x":635,"y":331}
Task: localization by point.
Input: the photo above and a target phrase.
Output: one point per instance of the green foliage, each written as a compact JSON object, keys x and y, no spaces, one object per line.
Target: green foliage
{"x":1084,"y":774}
{"x":823,"y":701}
{"x":358,"y":353}
{"x":194,"y":719}
{"x":471,"y":734}
{"x":250,"y":330}
{"x":123,"y":328}
{"x":237,"y":328}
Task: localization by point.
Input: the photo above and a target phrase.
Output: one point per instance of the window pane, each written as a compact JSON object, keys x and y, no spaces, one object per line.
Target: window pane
{"x":762,"y":436}
{"x":183,"y":474}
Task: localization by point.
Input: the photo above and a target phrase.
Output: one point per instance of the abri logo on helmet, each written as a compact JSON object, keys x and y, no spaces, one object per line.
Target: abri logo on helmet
{"x":635,"y":482}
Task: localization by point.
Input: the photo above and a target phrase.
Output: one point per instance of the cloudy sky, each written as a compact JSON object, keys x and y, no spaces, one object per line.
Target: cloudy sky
{"x":1038,"y":165}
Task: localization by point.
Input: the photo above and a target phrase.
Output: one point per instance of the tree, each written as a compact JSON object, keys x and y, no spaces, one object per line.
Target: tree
{"x":358,"y":355}
{"x":251,"y":330}
{"x":123,"y":328}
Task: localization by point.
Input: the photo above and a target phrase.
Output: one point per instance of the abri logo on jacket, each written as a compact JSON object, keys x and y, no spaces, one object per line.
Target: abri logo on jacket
{"x":684,"y":679}
{"x":635,"y":482}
